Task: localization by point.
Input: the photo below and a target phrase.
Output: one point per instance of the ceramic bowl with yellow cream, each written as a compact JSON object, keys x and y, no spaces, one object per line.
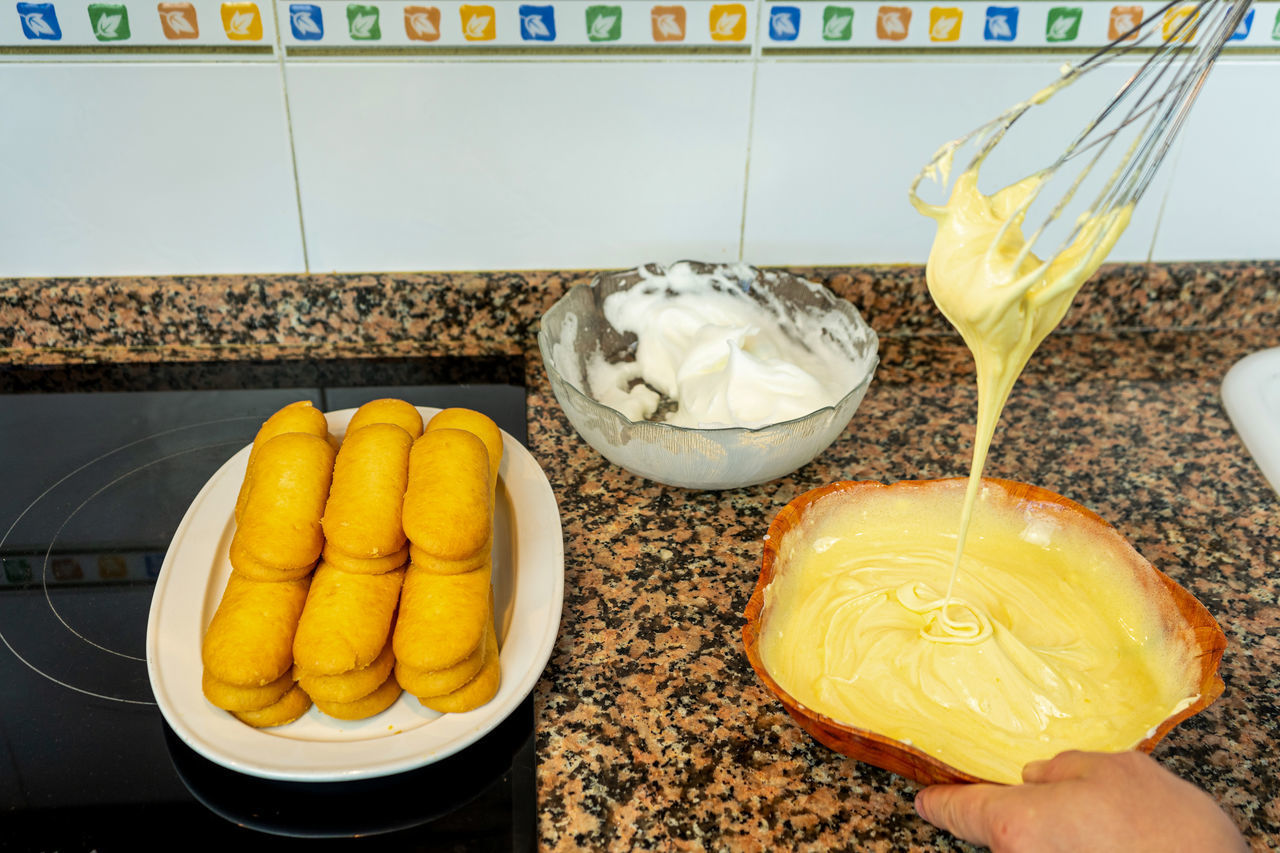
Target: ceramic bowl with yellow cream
{"x":1060,"y":635}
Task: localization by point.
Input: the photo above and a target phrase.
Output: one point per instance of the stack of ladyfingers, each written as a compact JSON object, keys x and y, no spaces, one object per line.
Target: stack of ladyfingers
{"x":248,"y":649}
{"x":361,"y":572}
{"x":446,"y":650}
{"x":343,"y":646}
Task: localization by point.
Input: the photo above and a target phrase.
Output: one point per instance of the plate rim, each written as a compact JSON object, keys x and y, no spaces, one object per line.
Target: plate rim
{"x":1248,"y":409}
{"x":266,"y":753}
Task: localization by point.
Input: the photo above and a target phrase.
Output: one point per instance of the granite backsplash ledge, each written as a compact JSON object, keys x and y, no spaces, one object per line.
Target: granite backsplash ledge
{"x":185,"y":315}
{"x":202,"y":317}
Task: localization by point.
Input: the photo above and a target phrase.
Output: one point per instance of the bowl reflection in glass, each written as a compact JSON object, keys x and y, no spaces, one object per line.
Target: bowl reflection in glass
{"x":1049,"y":530}
{"x":575,"y":331}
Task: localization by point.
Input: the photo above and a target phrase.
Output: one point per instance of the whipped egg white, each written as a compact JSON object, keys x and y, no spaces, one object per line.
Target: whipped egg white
{"x":726,"y":356}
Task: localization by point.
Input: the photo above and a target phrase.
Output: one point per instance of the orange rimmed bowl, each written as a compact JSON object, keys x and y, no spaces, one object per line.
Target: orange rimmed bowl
{"x":1185,"y":619}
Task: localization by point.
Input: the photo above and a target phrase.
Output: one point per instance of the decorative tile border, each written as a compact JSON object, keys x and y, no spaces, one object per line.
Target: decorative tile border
{"x":129,"y":25}
{"x":480,"y":25}
{"x":1039,"y":25}
{"x":459,"y":27}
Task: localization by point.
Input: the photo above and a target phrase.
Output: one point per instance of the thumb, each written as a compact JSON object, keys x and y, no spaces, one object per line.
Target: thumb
{"x":962,"y":810}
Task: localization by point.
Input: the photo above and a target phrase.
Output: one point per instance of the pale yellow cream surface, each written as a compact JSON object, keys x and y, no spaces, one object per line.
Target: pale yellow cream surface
{"x":969,"y":636}
{"x":1064,"y":652}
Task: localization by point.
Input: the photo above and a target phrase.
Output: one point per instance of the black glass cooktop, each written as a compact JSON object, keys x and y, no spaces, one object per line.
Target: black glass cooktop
{"x":98,"y":464}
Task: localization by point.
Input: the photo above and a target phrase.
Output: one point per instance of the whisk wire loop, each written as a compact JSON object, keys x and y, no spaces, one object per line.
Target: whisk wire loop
{"x":1152,"y":104}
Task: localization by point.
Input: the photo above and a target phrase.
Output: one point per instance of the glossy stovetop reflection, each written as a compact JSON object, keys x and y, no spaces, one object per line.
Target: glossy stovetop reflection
{"x":99,"y":464}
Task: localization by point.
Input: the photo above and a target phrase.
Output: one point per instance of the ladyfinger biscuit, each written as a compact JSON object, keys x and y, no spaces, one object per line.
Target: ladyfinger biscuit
{"x":280,"y":525}
{"x":478,"y":690}
{"x":346,"y":621}
{"x":362,"y":515}
{"x":356,"y":565}
{"x":351,"y":685}
{"x":387,"y":411}
{"x":447,"y":506}
{"x":437,"y":682}
{"x":295,"y":417}
{"x":234,"y":697}
{"x":291,"y":706}
{"x":442,"y":617}
{"x":250,"y":638}
{"x":477,"y":423}
{"x":487,"y":431}
{"x":432,"y":563}
{"x":249,"y":566}
{"x":374,"y":703}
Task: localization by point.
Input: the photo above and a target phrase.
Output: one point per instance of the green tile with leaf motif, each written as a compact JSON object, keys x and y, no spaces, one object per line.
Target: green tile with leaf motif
{"x":837,"y":23}
{"x":1063,"y":23}
{"x":362,"y":22}
{"x":604,"y":23}
{"x":110,"y":21}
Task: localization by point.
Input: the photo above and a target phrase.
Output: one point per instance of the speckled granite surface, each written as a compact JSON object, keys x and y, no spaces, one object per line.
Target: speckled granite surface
{"x":652,"y":730}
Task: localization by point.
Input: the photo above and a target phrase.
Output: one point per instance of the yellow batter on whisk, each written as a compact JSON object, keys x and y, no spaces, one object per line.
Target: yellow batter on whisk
{"x":1002,"y":298}
{"x":990,"y":648}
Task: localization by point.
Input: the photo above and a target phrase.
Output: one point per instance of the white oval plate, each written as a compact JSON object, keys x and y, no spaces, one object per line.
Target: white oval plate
{"x":528,"y":579}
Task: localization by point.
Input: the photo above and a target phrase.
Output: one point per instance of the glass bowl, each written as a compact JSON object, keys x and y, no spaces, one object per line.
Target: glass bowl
{"x":575,"y":330}
{"x":1187,"y":625}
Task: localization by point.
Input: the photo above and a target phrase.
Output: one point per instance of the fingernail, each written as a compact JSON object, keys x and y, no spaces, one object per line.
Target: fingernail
{"x":919,"y":803}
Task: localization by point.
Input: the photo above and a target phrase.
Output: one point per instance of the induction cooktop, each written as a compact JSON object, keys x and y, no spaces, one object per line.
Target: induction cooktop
{"x":98,"y":465}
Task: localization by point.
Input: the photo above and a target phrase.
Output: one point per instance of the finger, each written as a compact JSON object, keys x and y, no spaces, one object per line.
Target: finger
{"x":962,"y":810}
{"x":1071,"y":764}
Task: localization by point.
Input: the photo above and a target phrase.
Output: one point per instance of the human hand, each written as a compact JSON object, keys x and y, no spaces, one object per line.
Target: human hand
{"x":1094,"y":801}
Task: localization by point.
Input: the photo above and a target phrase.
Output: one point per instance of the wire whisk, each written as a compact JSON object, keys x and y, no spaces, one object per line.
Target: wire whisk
{"x":1184,"y":38}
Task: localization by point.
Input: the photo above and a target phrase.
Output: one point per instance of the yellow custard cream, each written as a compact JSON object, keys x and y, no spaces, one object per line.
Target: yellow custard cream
{"x":1064,"y":650}
{"x":985,"y":640}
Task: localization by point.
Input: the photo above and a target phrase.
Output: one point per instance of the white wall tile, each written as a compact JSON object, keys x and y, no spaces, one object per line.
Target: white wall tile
{"x":154,"y":166}
{"x":1222,"y":204}
{"x":519,"y":165}
{"x":836,"y":145}
{"x":118,"y":168}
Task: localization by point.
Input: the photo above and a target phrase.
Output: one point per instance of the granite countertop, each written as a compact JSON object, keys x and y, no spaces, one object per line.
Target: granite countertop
{"x":652,"y":730}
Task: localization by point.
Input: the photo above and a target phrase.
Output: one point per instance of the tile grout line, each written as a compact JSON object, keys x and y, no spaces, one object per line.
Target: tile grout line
{"x":751,"y":129}
{"x":288,"y":124}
